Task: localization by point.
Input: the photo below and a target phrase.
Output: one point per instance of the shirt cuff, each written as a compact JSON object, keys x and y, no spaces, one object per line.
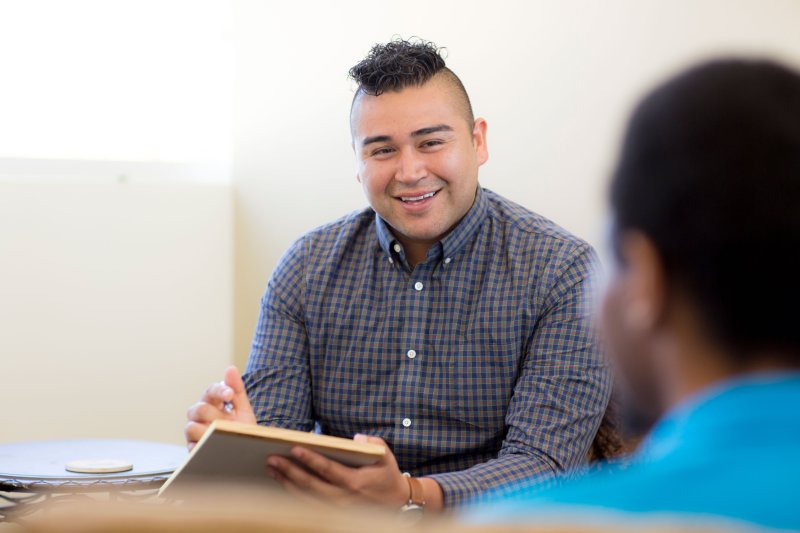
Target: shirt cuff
{"x":458,"y":488}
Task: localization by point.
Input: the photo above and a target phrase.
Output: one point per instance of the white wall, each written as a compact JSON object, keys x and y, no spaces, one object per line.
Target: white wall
{"x":120,"y":298}
{"x":115,"y":301}
{"x":554,"y":78}
{"x":116,"y":222}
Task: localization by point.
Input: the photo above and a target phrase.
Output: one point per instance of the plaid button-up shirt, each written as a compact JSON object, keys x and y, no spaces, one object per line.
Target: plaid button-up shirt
{"x":479,"y":367}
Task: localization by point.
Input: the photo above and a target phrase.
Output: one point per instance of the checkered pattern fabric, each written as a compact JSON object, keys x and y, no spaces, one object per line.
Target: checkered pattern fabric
{"x":479,"y":367}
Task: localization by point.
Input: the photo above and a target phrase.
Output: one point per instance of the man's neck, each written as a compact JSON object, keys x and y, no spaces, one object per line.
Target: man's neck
{"x":416,"y":251}
{"x":695,"y":366}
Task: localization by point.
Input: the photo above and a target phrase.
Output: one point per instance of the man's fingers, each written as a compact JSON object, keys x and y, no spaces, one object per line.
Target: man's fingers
{"x":300,"y":478}
{"x":388,"y":458}
{"x":238,"y":397}
{"x":290,"y":487}
{"x":234,"y":380}
{"x":194,"y":432}
{"x":292,"y":473}
{"x":218,"y":393}
{"x":325,"y":468}
{"x":224,"y":399}
{"x":360,"y":437}
{"x":203,"y":413}
{"x":221,"y":401}
{"x":236,"y":401}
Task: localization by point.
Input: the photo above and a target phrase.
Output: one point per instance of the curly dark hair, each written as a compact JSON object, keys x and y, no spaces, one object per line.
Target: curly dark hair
{"x":401,"y":63}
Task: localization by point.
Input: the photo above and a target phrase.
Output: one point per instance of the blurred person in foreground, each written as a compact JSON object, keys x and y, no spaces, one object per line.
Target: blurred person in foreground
{"x":701,"y":312}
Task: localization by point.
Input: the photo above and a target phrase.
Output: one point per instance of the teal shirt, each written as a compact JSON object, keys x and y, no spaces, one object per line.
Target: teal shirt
{"x":731,"y":452}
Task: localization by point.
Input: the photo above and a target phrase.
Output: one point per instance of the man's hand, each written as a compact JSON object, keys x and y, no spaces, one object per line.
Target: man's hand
{"x":381,"y":483}
{"x":212,"y":406}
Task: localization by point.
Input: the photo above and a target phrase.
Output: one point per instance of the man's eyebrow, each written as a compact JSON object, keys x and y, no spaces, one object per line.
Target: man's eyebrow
{"x":418,"y":133}
{"x":431,"y":129}
{"x":375,"y":139}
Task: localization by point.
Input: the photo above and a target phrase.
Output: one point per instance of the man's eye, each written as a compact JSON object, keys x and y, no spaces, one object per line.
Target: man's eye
{"x":382,"y":151}
{"x":432,"y":143}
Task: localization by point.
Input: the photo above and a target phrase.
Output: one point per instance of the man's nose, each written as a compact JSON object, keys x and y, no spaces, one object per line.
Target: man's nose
{"x":411,"y":167}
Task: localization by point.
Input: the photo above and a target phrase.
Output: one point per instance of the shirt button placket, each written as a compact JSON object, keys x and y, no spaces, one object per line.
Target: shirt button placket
{"x":411,"y":354}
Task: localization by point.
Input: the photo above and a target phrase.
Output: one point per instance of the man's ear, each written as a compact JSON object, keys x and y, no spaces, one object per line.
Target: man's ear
{"x":646,"y":289}
{"x":358,"y":177}
{"x":479,"y":140}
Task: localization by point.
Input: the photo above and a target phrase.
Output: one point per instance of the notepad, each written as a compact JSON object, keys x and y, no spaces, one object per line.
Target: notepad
{"x":233,"y":453}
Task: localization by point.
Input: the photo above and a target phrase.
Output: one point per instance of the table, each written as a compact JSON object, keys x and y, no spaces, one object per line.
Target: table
{"x":34,"y":473}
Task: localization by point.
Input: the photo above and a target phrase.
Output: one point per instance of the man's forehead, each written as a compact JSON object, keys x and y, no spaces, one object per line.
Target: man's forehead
{"x":402,"y":112}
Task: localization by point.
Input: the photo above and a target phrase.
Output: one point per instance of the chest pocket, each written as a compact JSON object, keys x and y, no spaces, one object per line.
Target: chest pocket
{"x":474,"y":380}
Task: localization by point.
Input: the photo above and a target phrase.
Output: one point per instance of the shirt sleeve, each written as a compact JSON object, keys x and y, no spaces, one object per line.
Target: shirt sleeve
{"x":277,"y":376}
{"x":560,"y":395}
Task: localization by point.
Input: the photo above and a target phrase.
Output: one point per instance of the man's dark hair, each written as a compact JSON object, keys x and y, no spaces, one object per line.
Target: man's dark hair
{"x":710,"y":172}
{"x":399,"y":64}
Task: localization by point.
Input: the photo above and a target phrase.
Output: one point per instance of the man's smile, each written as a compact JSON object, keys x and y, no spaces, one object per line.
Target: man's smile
{"x":417,"y":199}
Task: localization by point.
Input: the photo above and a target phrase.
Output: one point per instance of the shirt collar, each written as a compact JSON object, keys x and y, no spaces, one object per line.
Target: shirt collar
{"x":466,"y":230}
{"x":385,"y":236}
{"x":462,"y":234}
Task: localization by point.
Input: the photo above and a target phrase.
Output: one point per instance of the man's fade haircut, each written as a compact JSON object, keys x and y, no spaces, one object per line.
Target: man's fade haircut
{"x":710,"y":172}
{"x":398,"y":64}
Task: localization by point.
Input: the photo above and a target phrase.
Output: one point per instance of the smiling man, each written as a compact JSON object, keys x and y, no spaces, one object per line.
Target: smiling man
{"x":444,"y":320}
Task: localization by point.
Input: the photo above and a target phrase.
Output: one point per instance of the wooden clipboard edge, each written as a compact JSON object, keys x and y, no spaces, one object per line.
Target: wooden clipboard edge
{"x":287,"y":436}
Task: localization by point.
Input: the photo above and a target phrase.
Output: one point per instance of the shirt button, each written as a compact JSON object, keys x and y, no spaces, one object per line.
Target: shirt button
{"x":411,"y":354}
{"x":406,"y":422}
{"x":447,"y":260}
{"x":418,"y":285}
{"x":397,"y":248}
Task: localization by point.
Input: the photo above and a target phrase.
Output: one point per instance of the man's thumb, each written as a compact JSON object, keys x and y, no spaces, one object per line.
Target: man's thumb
{"x":360,"y":437}
{"x":234,"y":380}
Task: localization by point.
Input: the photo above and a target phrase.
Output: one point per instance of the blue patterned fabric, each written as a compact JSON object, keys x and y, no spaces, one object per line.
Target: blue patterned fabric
{"x":730,"y":454}
{"x":478,"y":367}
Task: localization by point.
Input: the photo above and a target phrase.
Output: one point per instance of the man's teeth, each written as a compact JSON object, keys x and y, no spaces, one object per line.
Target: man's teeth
{"x":417,"y":198}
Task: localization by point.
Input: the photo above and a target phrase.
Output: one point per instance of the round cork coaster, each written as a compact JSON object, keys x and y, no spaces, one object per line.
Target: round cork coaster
{"x":99,"y":466}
